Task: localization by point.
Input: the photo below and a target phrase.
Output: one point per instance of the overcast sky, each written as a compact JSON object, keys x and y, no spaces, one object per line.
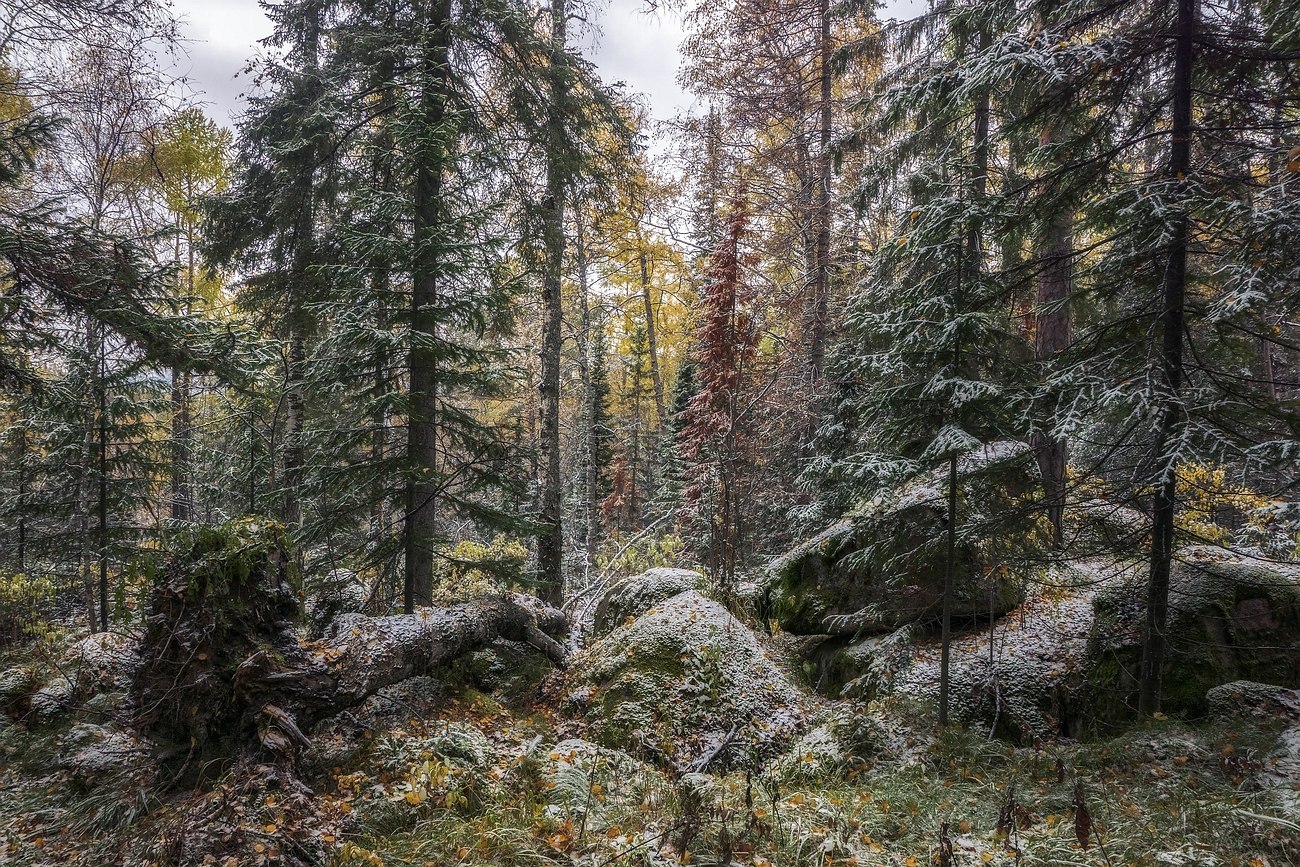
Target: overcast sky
{"x":633,"y":47}
{"x":639,"y":49}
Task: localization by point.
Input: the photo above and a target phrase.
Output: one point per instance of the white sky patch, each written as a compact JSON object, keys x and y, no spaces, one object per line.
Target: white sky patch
{"x":643,"y":50}
{"x":221,"y":36}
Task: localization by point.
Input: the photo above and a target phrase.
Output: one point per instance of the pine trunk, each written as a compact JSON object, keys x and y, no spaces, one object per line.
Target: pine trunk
{"x":102,"y":451}
{"x":1052,"y":328}
{"x":1171,"y":352}
{"x":421,"y":526}
{"x":949,"y":580}
{"x":822,"y":272}
{"x":182,"y":497}
{"x":591,"y":397}
{"x":549,"y":540}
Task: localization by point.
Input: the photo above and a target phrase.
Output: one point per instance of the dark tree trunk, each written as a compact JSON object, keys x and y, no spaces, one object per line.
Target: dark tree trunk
{"x":949,"y":579}
{"x":181,"y":499}
{"x":550,"y":564}
{"x":182,"y":504}
{"x":591,"y":397}
{"x":822,"y":272}
{"x":1054,"y":286}
{"x":102,"y":535}
{"x":421,"y":526}
{"x":20,"y":505}
{"x":1165,"y":503}
{"x":294,"y":450}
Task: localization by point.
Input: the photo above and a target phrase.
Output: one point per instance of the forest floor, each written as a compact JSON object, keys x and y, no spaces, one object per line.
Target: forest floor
{"x":438,"y":772}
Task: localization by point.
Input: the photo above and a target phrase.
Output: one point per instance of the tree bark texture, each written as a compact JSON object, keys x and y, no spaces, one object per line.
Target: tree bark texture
{"x":1052,"y":334}
{"x":1165,"y":503}
{"x":420,"y":529}
{"x":550,"y":565}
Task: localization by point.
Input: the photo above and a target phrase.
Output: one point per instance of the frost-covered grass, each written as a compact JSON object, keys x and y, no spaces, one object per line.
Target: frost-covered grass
{"x":1170,"y":794}
{"x":452,"y":777}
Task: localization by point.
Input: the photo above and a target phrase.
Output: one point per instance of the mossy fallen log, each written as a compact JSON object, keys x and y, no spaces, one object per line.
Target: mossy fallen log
{"x":224,"y":663}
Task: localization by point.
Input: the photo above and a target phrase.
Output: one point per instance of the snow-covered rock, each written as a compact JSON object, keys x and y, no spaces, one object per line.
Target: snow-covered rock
{"x":636,"y":595}
{"x":1023,"y":679}
{"x":683,"y":681}
{"x":92,"y":751}
{"x":883,"y":566}
{"x":1246,"y":697}
{"x":15,"y":684}
{"x":1231,"y":617}
{"x":52,"y":699}
{"x":103,"y":661}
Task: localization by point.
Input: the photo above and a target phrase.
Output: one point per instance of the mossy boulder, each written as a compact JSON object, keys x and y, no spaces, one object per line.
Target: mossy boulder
{"x":1248,"y":698}
{"x":1028,"y":688}
{"x":634,"y":596}
{"x":1231,"y":617}
{"x":679,"y":681}
{"x":883,"y":566}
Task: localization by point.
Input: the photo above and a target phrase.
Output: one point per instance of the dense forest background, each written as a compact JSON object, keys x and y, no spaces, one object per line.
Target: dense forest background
{"x":449,"y":317}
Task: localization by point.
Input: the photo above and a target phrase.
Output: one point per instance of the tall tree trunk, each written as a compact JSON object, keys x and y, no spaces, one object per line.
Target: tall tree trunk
{"x":182,"y":498}
{"x":21,"y":504}
{"x":821,"y":276}
{"x":82,"y":477}
{"x":102,"y":534}
{"x":591,"y":397}
{"x":969,"y":266}
{"x":294,"y":450}
{"x":1052,"y":325}
{"x":949,"y":579}
{"x":1165,"y":503}
{"x":421,"y":527}
{"x":655,"y":378}
{"x":550,"y":563}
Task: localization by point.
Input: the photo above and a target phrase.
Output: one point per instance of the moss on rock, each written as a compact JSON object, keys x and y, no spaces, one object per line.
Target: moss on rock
{"x":636,"y":595}
{"x":679,"y":680}
{"x":1231,"y":618}
{"x":883,"y":565}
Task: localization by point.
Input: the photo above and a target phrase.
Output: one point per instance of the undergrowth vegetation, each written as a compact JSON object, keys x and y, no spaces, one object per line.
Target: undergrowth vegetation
{"x":460,"y":779}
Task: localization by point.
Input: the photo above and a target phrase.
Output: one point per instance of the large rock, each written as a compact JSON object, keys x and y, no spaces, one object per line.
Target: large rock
{"x":634,"y":596}
{"x":883,"y":566}
{"x":92,"y":752}
{"x":103,"y":661}
{"x":1247,"y":698}
{"x":682,"y":679}
{"x":1231,"y":617}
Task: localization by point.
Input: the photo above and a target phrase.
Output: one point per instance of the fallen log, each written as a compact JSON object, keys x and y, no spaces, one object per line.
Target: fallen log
{"x":224,"y":664}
